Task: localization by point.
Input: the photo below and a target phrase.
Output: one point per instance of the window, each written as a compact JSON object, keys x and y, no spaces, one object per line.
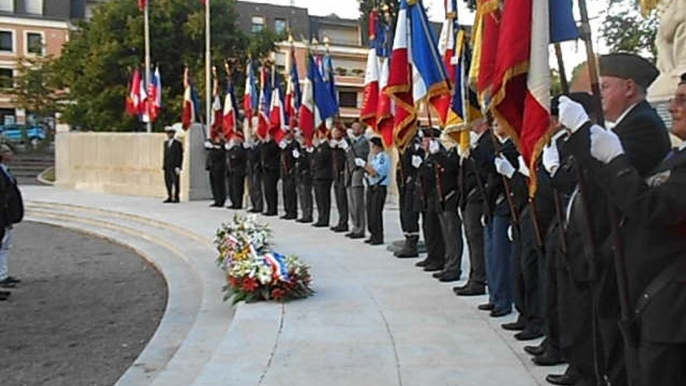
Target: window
{"x":34,"y":43}
{"x":348,"y":98}
{"x":6,"y":41}
{"x":257,"y":24}
{"x":7,"y":5}
{"x":280,"y":26}
{"x":6,"y":78}
{"x":34,"y":7}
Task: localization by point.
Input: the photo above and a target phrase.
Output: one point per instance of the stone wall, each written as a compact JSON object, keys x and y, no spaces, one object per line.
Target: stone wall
{"x":127,"y":163}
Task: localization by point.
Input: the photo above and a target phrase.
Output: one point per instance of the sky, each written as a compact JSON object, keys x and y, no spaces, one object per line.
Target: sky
{"x":573,"y":53}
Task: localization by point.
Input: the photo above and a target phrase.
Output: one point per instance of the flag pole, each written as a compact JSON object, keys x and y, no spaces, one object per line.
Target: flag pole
{"x":208,"y":67}
{"x":146,"y":25}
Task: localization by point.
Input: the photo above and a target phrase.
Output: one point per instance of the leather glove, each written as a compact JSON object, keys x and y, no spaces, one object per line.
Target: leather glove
{"x":572,"y":114}
{"x":434,"y":146}
{"x":605,"y":144}
{"x":503,"y":166}
{"x":523,"y":169}
{"x":177,"y":171}
{"x":296,"y":153}
{"x":417,"y":161}
{"x":551,"y":158}
{"x":360,"y":162}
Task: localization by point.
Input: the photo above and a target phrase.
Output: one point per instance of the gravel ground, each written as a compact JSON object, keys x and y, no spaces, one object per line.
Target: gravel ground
{"x":83,"y":312}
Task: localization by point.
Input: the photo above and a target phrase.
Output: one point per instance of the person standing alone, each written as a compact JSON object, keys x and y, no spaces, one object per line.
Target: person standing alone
{"x":173,"y":159}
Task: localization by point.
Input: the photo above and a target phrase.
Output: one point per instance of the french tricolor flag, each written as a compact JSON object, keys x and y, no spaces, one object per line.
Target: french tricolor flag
{"x":307,"y":108}
{"x":263,"y":105}
{"x":276,"y":111}
{"x":446,"y":48}
{"x":229,"y":115}
{"x":249,"y":92}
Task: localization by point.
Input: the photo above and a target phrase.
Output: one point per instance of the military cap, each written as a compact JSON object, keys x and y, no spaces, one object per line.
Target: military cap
{"x":169,"y":129}
{"x":376,"y":141}
{"x":583,"y":98}
{"x":628,"y":66}
{"x":431,"y":132}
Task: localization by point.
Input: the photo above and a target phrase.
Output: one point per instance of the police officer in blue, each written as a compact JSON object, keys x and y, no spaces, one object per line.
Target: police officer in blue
{"x":378,"y":177}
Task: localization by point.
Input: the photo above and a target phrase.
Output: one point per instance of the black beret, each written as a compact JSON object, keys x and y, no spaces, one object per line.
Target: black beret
{"x":584,"y":98}
{"x":629,"y":66}
{"x":431,"y":132}
{"x":376,"y":141}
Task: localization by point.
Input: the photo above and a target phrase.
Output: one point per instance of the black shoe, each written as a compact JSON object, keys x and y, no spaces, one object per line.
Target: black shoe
{"x":548,"y":359}
{"x":176,"y":200}
{"x":528,"y":335}
{"x":406,"y":254}
{"x":167,"y":201}
{"x":270,"y":214}
{"x":535,"y":350}
{"x":514,"y":326}
{"x":349,"y":234}
{"x":486,"y":307}
{"x":12,"y":279}
{"x":304,"y":220}
{"x":288,"y":217}
{"x":498,"y":313}
{"x":562,"y":379}
{"x":253,"y":210}
{"x":422,"y":263}
{"x":4,"y":295}
{"x":472,"y":289}
{"x":448,"y":277}
{"x":357,"y":236}
{"x":432,"y":267}
{"x":376,"y":242}
{"x":339,"y":229}
{"x":367,"y":241}
{"x":437,"y":275}
{"x":215,"y":205}
{"x":5,"y":284}
{"x":320,"y":225}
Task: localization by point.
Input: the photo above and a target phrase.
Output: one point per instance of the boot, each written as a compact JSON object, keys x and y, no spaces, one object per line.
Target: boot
{"x":409,"y":249}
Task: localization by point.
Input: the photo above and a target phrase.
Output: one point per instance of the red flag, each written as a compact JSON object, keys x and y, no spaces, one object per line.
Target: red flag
{"x":133,"y":99}
{"x":446,"y":48}
{"x":188,"y":113}
{"x":384,"y":116}
{"x":155,"y":95}
{"x":521,"y":89}
{"x":400,"y":83}
{"x":307,"y":108}
{"x":485,"y":43}
{"x":370,"y":101}
{"x":142,"y":4}
{"x":263,"y":106}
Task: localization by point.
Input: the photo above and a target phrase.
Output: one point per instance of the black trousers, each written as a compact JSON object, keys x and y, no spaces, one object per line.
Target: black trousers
{"x":341,"y":195}
{"x":269,"y":181}
{"x":409,"y":219}
{"x":173,"y":184}
{"x":376,"y":198}
{"x":322,"y":193}
{"x":550,"y":294}
{"x":433,"y":237}
{"x":237,"y":183}
{"x":289,"y":187}
{"x":662,"y":364}
{"x":528,"y":274}
{"x":218,"y":185}
{"x":305,"y":196}
{"x":255,"y":190}
{"x":474,"y":232}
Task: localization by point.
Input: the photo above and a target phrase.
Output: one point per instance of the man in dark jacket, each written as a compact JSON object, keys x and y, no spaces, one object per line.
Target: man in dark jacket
{"x":255,"y":175}
{"x":270,"y":155}
{"x":407,"y":177}
{"x":13,"y":213}
{"x":237,"y":159}
{"x":339,"y":170}
{"x":173,"y":161}
{"x":215,"y":164}
{"x":322,"y":175}
{"x":289,"y":183}
{"x":303,"y":157}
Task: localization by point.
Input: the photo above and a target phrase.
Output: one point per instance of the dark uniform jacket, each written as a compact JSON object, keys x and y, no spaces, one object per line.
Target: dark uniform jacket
{"x":430,"y":184}
{"x":270,"y":157}
{"x":474,"y":171}
{"x":216,"y":159}
{"x":253,"y":155}
{"x":173,"y":155}
{"x":496,"y":200}
{"x":304,"y":168}
{"x":322,"y":162}
{"x":407,"y":177}
{"x":288,"y":161}
{"x":238,"y":160}
{"x":339,"y":166}
{"x":448,"y":166}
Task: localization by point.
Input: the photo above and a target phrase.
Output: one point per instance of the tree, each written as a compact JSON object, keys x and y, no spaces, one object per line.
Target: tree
{"x":97,"y":62}
{"x":366,"y":7}
{"x":626,"y":30}
{"x":35,"y":87}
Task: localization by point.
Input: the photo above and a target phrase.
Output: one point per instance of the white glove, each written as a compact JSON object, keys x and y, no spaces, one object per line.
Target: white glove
{"x":226,"y":146}
{"x":343,"y":144}
{"x":605,"y":144}
{"x":523,"y":169}
{"x":551,"y":157}
{"x":510,"y":235}
{"x":208,"y":145}
{"x":483,"y":221}
{"x":434,"y":146}
{"x":283,"y":144}
{"x":333,"y":143}
{"x":309,"y":149}
{"x":296,"y":153}
{"x":360,"y":162}
{"x":246,"y":145}
{"x":417,"y":161}
{"x":572,"y":114}
{"x":177,"y":171}
{"x":503,"y":166}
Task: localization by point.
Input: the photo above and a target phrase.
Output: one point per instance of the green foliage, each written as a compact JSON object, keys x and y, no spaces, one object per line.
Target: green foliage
{"x":35,"y":86}
{"x":97,"y":63}
{"x":626,"y":30}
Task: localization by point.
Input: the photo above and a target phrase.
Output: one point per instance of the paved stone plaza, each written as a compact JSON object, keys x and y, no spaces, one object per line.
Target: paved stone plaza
{"x":374,"y":320}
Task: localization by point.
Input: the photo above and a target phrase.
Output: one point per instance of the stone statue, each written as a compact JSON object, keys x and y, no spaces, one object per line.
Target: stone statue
{"x":671,"y":48}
